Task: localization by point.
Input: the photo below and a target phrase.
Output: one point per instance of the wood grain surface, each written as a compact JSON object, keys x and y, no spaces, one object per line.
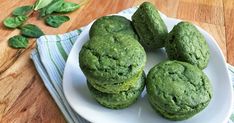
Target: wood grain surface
{"x":23,"y":97}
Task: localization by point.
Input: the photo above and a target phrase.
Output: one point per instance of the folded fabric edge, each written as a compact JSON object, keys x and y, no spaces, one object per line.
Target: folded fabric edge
{"x":54,"y":71}
{"x":230,"y":67}
{"x":63,"y":34}
{"x":44,"y":75}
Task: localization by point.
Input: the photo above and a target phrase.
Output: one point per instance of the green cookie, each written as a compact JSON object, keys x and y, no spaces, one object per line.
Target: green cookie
{"x":149,"y":26}
{"x":119,"y":100}
{"x":112,"y":59}
{"x":108,"y":25}
{"x":178,"y":90}
{"x":186,"y":43}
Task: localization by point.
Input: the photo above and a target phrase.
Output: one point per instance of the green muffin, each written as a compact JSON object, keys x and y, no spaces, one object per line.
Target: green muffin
{"x":116,"y":87}
{"x":108,"y":25}
{"x":186,"y":43}
{"x":119,"y":100}
{"x":178,"y":90}
{"x":149,"y":26}
{"x":112,"y":59}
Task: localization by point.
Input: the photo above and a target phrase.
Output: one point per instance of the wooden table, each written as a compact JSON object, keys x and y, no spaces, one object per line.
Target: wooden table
{"x":23,"y":97}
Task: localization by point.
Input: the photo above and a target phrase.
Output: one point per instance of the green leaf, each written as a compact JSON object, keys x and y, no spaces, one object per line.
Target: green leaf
{"x":13,"y":22}
{"x":67,"y":7}
{"x":23,"y":10}
{"x":31,"y":30}
{"x":54,"y":5}
{"x":41,"y":4}
{"x":18,"y":41}
{"x":56,"y":20}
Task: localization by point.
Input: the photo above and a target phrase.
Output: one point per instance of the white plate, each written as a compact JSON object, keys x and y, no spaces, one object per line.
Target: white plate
{"x":78,"y":96}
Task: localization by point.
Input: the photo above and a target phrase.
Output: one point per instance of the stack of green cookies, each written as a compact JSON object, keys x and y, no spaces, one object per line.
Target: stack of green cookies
{"x":113,"y":61}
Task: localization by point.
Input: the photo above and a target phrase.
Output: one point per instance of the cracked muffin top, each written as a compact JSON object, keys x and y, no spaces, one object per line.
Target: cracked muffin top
{"x":178,"y":90}
{"x":186,"y":43}
{"x":112,"y":58}
{"x":108,"y":25}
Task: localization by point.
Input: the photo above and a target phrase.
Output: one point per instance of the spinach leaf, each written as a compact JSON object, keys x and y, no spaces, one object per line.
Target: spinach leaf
{"x":23,"y":10}
{"x":18,"y":41}
{"x":54,"y":5}
{"x":67,"y":7}
{"x":41,"y":4}
{"x":31,"y":30}
{"x":56,"y":20}
{"x":13,"y":22}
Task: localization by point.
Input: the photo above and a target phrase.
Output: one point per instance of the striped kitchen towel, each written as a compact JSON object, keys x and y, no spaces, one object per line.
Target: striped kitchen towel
{"x":50,"y":57}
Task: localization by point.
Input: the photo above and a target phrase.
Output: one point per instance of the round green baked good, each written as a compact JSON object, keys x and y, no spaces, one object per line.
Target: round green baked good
{"x":186,"y":43}
{"x":116,"y":88}
{"x":178,"y":90}
{"x":108,"y":25}
{"x":112,"y":59}
{"x":149,"y":26}
{"x":119,"y":100}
